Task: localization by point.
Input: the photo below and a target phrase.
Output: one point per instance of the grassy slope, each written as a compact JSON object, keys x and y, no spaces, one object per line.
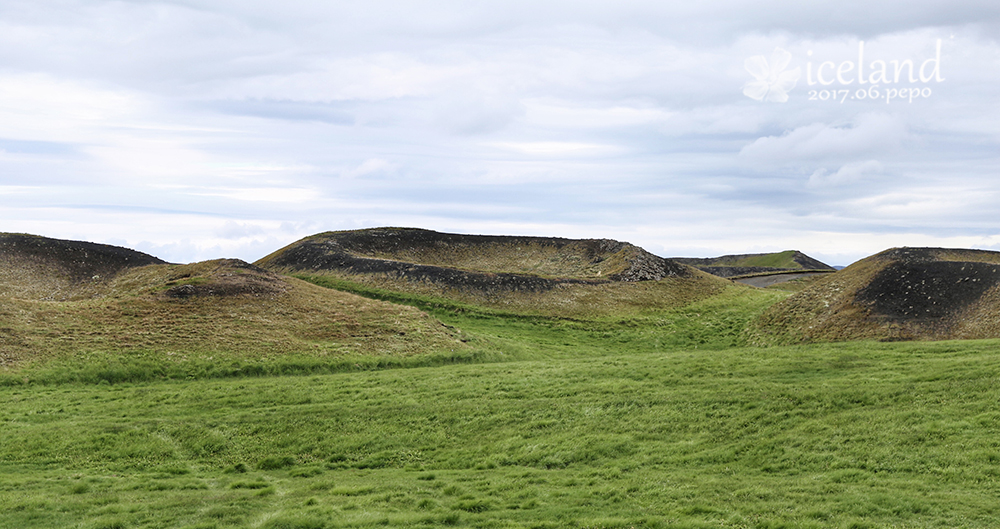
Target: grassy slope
{"x":853,"y":435}
{"x":821,"y":312}
{"x":772,"y":260}
{"x":526,"y":257}
{"x":133,"y":330}
{"x":827,"y":309}
{"x":41,"y":268}
{"x":534,"y":256}
{"x":563,"y":301}
{"x":786,"y":260}
{"x":712,"y":322}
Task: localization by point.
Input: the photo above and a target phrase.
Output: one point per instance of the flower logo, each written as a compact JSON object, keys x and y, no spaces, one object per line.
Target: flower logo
{"x":771,"y":81}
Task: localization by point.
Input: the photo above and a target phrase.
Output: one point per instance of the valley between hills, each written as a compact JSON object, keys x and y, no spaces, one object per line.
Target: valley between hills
{"x":400,"y":377}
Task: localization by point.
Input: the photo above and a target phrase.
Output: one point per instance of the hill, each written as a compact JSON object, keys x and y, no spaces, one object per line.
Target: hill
{"x":544,"y":275}
{"x":175,"y":319}
{"x":898,"y":294}
{"x":751,"y":264}
{"x":40,"y":268}
{"x":425,"y":254}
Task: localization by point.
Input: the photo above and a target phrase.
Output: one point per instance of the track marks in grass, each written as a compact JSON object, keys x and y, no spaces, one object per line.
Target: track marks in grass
{"x":798,"y":436}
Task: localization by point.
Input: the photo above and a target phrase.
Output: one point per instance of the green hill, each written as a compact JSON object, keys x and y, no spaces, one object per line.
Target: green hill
{"x":751,"y":264}
{"x":537,"y":275}
{"x":178,"y":320}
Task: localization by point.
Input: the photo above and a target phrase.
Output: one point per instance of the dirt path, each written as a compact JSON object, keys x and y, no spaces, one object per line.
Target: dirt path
{"x":775,"y":279}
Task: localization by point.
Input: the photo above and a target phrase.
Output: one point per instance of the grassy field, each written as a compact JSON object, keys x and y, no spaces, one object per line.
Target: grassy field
{"x":860,"y":435}
{"x":656,"y":418}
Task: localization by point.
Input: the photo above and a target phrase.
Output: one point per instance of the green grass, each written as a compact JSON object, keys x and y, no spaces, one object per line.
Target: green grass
{"x":771,"y":260}
{"x":565,"y":301}
{"x":853,"y":435}
{"x":629,"y":418}
{"x":714,"y":322}
{"x":785,"y":259}
{"x":135,"y":340}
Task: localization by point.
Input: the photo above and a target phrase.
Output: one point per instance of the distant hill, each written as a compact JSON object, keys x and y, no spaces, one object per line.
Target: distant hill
{"x":535,"y":274}
{"x":33,"y":267}
{"x":63,"y":299}
{"x":898,"y":294}
{"x":751,"y":264}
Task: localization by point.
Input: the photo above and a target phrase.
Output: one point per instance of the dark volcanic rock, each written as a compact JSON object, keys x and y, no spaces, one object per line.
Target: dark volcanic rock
{"x":80,"y":261}
{"x":181,"y":291}
{"x":915,"y":286}
{"x":898,"y":294}
{"x":644,"y":266}
{"x":809,"y":263}
{"x":223,"y":278}
{"x":322,"y":256}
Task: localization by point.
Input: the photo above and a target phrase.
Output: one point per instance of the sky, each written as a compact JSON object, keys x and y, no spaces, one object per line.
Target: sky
{"x":196,"y":130}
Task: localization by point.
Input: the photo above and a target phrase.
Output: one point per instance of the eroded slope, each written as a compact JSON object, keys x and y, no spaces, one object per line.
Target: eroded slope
{"x":899,"y":294}
{"x":553,"y":276}
{"x":41,"y":268}
{"x":418,"y":253}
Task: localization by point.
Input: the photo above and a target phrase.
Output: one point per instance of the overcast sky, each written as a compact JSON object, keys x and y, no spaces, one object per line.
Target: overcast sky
{"x":195,"y":129}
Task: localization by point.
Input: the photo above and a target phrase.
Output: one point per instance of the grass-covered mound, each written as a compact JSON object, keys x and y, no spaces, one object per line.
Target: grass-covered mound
{"x":899,"y":294}
{"x":761,"y":263}
{"x":537,"y":275}
{"x":215,"y":318}
{"x":40,"y":268}
{"x":376,"y":250}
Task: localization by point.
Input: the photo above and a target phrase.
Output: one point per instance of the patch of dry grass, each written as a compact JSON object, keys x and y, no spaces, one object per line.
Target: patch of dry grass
{"x":227,"y":313}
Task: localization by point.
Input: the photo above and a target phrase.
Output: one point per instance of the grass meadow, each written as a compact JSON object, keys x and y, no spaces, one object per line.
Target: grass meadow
{"x":656,"y":419}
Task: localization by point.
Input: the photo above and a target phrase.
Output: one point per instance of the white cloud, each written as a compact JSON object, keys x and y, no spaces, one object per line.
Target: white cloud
{"x":240,"y":230}
{"x":368,"y":167}
{"x":260,"y":194}
{"x":243,"y":123}
{"x":850,"y":174}
{"x":43,"y":107}
{"x":555,"y":148}
{"x":868,"y":134}
{"x":562,"y":114}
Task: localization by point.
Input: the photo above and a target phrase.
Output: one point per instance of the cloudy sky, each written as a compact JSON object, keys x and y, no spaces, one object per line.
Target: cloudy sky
{"x":196,"y":129}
